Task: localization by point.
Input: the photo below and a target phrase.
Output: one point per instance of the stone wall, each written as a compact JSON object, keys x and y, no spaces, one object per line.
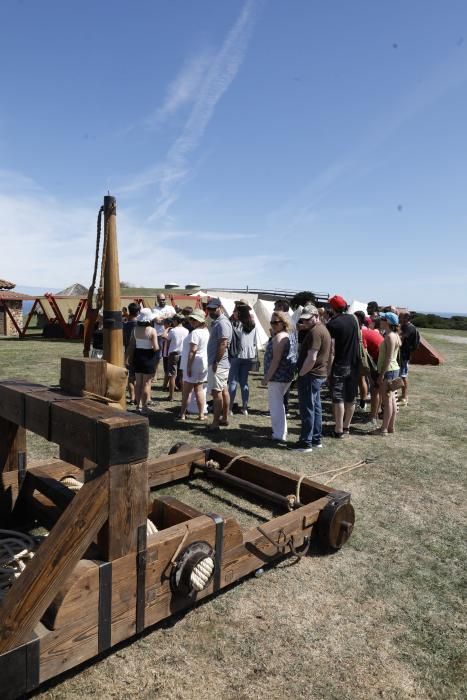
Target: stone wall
{"x":6,"y":325}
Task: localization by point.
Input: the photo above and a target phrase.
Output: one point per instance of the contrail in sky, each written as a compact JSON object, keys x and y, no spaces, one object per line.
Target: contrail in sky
{"x":218,"y":77}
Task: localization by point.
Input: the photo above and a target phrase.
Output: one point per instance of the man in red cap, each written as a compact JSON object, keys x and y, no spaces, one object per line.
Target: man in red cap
{"x":344,"y":331}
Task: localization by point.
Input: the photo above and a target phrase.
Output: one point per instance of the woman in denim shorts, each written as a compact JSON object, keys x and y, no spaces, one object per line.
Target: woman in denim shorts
{"x":388,"y":369}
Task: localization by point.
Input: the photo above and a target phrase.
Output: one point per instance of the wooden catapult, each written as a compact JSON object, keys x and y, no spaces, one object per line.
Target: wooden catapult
{"x":117,"y":561}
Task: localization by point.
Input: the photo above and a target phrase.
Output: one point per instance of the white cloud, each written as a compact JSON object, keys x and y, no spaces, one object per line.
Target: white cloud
{"x":51,"y":243}
{"x":182,"y":90}
{"x":209,"y":80}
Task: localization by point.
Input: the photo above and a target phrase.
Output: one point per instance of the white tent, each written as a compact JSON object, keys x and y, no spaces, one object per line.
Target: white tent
{"x":264,"y":310}
{"x":357,"y":306}
{"x":262,"y":336}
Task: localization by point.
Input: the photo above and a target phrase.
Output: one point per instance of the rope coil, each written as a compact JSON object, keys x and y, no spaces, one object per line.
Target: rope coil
{"x":202,"y":573}
{"x":16,"y":549}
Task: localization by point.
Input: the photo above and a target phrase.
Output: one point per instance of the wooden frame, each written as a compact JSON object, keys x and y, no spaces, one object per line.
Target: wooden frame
{"x":99,"y":578}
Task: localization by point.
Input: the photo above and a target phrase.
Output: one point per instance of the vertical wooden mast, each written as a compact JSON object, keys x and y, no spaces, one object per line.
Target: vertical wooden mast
{"x":113,"y":325}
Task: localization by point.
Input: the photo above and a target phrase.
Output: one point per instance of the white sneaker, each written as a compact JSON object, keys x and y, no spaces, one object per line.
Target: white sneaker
{"x":245,"y":411}
{"x":371,"y":423}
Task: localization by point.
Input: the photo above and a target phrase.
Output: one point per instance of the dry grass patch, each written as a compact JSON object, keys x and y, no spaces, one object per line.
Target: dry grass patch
{"x":383,"y":618}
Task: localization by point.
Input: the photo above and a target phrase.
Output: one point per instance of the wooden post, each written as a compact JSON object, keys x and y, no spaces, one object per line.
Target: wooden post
{"x":113,"y":325}
{"x":128,"y":509}
{"x":12,"y":446}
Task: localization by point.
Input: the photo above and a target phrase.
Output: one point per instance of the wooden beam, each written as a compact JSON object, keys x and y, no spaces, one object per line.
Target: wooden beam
{"x":128,"y":509}
{"x":113,"y":326}
{"x":31,"y":594}
{"x":169,"y":468}
{"x":168,"y":511}
{"x":77,"y":375}
{"x":12,"y":446}
{"x":267,"y":476}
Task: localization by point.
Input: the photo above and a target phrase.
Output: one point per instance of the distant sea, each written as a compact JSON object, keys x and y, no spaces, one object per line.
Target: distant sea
{"x":444,"y":314}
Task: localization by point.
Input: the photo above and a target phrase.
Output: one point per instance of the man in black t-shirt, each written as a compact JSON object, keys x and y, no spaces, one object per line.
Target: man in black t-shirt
{"x":410,"y":342}
{"x":344,"y":332}
{"x":128,"y":327}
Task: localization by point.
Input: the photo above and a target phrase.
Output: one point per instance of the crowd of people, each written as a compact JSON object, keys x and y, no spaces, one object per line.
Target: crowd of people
{"x":363,"y":358}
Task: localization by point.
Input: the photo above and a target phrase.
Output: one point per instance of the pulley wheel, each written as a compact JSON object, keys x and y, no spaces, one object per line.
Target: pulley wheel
{"x":194,"y":570}
{"x":335,"y":524}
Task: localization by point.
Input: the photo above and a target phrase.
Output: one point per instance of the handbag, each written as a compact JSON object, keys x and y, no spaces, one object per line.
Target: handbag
{"x":395,"y":384}
{"x":363,"y":357}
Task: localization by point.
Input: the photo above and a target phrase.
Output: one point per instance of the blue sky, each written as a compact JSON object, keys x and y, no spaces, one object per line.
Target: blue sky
{"x":297,"y":144}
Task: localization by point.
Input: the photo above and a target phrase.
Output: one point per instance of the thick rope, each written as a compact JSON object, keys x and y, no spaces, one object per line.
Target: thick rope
{"x":75,"y":485}
{"x":202,"y":573}
{"x":16,"y":549}
{"x":91,"y":311}
{"x":100,"y":291}
{"x":232,"y":461}
{"x":96,"y":257}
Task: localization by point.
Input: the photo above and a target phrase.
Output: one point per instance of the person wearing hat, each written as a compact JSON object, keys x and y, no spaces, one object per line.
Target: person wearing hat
{"x":161,"y":312}
{"x":175,"y":337}
{"x":145,"y":350}
{"x":344,"y":331}
{"x":388,"y":369}
{"x":312,"y":366}
{"x":194,"y":363}
{"x":218,"y":362}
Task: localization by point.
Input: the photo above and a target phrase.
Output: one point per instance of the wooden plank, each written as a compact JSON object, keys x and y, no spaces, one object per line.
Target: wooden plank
{"x":122,"y":438}
{"x":106,"y":436}
{"x":9,"y":490}
{"x":169,"y":468}
{"x":69,"y":646}
{"x":128,"y":509}
{"x":31,"y":594}
{"x":76,"y":597}
{"x":12,"y":393}
{"x":55,"y":491}
{"x":44,"y":511}
{"x":258,"y":550}
{"x":95,"y":431}
{"x":168,"y":511}
{"x":77,"y":375}
{"x":37,"y":410}
{"x":273,"y":478}
{"x":12,"y":446}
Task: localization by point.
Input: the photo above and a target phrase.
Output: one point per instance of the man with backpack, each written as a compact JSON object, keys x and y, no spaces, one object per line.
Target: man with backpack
{"x":410,"y":342}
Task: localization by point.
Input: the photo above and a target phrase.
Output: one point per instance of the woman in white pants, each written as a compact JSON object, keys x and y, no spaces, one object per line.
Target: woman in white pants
{"x":279,"y":366}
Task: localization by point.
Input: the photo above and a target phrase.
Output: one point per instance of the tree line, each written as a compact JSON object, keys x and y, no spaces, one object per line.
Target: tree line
{"x":456,"y":323}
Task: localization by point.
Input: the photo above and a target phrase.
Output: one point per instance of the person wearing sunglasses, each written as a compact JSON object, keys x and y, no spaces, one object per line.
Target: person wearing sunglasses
{"x":280,"y":360}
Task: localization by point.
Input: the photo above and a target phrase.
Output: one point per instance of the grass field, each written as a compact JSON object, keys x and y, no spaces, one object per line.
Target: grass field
{"x":382,"y":618}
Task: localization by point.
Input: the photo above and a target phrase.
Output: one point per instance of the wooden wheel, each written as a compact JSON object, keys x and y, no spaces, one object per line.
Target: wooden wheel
{"x":336,"y":523}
